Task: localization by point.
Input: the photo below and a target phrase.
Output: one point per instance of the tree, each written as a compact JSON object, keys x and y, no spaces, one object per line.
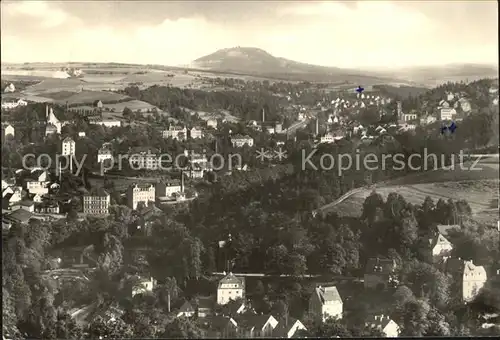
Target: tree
{"x":331,"y":328}
{"x":109,"y":329}
{"x":127,"y":113}
{"x":415,"y":321}
{"x":183,"y":328}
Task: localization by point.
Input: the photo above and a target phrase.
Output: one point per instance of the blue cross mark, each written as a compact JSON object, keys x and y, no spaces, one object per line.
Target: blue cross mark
{"x":450,"y":128}
{"x":359,"y":89}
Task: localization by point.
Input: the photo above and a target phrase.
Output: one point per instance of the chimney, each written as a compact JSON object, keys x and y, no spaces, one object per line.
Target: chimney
{"x":168,"y":301}
{"x":46,"y":111}
{"x":317,"y":126}
{"x":263,"y":115}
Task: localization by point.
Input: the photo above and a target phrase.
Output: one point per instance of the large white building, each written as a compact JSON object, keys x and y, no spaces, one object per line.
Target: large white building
{"x":175,"y":132}
{"x":471,"y":277}
{"x":68,"y":147}
{"x":140,"y":193}
{"x":96,"y":202}
{"x":230,"y":288}
{"x":326,"y":302}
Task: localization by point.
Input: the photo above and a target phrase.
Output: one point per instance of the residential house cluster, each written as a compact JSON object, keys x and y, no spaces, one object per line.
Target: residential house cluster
{"x":9,"y":105}
{"x":238,"y":319}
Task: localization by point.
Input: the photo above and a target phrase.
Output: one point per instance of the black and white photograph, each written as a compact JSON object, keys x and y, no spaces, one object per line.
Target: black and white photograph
{"x":250,"y":169}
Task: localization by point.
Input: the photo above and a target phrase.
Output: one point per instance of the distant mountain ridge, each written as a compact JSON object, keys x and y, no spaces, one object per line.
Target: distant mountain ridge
{"x":256,"y":61}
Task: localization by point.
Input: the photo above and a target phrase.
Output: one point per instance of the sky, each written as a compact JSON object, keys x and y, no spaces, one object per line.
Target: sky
{"x":350,"y":34}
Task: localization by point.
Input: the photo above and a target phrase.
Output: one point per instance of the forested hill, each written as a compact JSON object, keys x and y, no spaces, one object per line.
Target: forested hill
{"x":479,"y":93}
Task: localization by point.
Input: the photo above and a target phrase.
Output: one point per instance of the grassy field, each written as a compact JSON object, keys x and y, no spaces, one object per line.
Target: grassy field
{"x":84,"y":97}
{"x":479,"y":188}
{"x":481,"y":195}
{"x":133,"y":105}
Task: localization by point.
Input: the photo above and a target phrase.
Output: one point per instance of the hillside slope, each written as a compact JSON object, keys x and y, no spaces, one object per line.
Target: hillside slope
{"x":479,"y":188}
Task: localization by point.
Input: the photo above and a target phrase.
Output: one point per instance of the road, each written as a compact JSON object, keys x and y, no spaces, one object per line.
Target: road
{"x":305,"y":276}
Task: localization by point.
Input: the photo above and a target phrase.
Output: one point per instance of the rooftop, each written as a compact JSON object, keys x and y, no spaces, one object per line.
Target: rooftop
{"x":326,"y":294}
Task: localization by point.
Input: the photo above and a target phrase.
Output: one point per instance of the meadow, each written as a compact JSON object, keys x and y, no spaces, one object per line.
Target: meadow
{"x":479,"y":188}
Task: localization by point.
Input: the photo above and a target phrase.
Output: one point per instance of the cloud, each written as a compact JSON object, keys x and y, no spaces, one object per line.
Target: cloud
{"x":49,"y":15}
{"x":172,"y":42}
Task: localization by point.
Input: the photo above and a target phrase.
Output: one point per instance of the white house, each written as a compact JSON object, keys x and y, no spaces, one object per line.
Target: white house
{"x":471,"y":277}
{"x":104,"y":153}
{"x":327,"y":138}
{"x":287,"y":328}
{"x":230,"y":288}
{"x":140,"y":193}
{"x":196,"y":133}
{"x":144,"y":286}
{"x":68,"y":147}
{"x":81,"y":134}
{"x":10,"y":88}
{"x":426,"y":120}
{"x":326,"y":302}
{"x":384,"y":324}
{"x":212,"y":123}
{"x":440,"y":246}
{"x":9,"y":130}
{"x":37,"y":182}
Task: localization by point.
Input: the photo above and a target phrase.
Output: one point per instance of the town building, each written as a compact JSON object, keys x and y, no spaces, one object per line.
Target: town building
{"x":8,"y":130}
{"x":141,"y":158}
{"x":239,"y":141}
{"x":255,"y":325}
{"x":439,"y":247}
{"x":230,"y":288}
{"x":195,"y":133}
{"x":446,"y":112}
{"x":378,"y":273}
{"x":384,"y":324}
{"x":36,"y":182}
{"x":471,"y":278}
{"x":140,"y":193}
{"x":287,"y":328}
{"x":327,"y":138}
{"x":326,"y":302}
{"x":186,"y":310}
{"x":68,"y":147}
{"x":426,"y":120}
{"x":408,"y":117}
{"x":144,"y":286}
{"x":52,"y":120}
{"x":108,"y":123}
{"x":175,"y":132}
{"x":219,"y":327}
{"x":168,"y":188}
{"x":104,"y":153}
{"x":96,"y":202}
{"x":9,"y":88}
{"x":24,"y":204}
{"x":212,"y":123}
{"x":9,"y":105}
{"x":50,"y":129}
